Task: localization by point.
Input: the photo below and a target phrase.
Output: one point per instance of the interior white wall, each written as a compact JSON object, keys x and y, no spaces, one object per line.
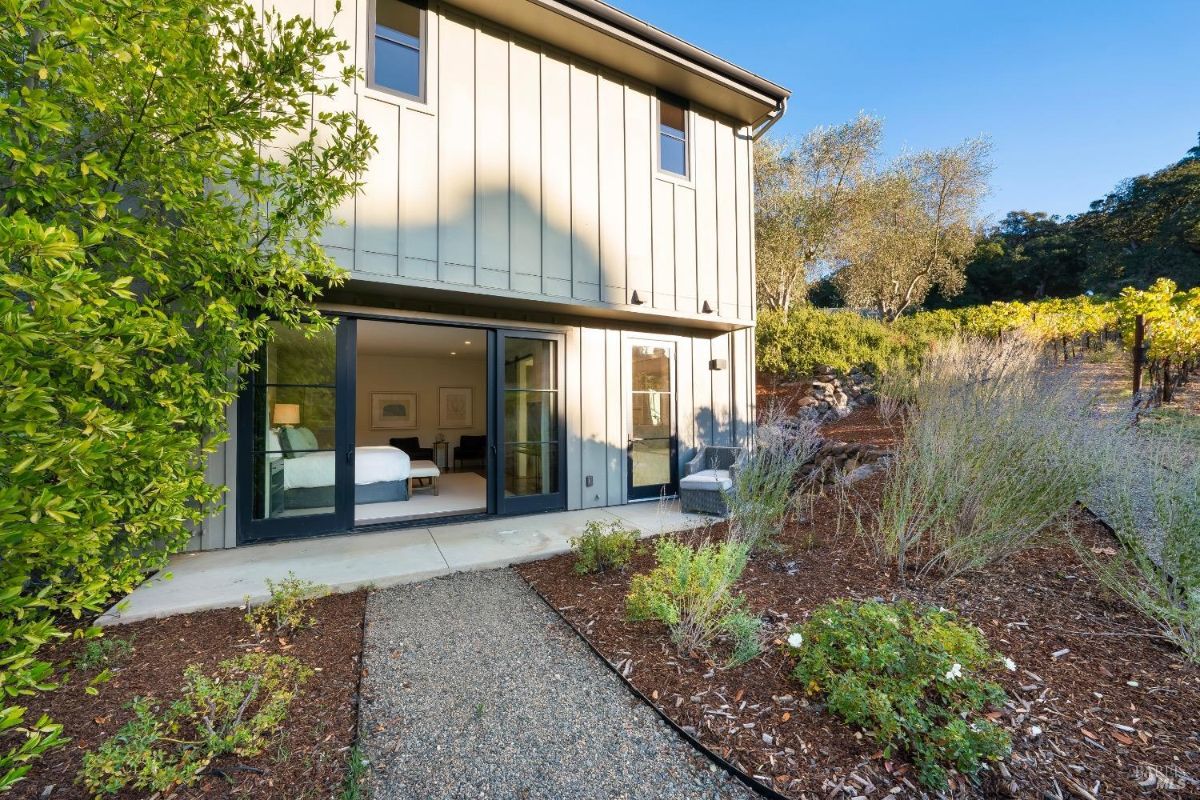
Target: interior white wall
{"x":424,"y":376}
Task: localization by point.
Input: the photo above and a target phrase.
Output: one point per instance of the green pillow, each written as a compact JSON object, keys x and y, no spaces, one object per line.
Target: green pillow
{"x":300,"y":439}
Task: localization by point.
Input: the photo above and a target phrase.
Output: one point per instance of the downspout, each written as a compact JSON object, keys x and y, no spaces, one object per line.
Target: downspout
{"x":770,"y":118}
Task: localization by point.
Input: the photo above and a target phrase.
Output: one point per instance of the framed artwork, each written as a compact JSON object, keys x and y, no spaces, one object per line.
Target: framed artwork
{"x":393,"y":410}
{"x":454,"y":407}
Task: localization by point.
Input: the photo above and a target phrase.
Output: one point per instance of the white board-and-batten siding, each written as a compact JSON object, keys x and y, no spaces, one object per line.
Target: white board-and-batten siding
{"x":529,"y":173}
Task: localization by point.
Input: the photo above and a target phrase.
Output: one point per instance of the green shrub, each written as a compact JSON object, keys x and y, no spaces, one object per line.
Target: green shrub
{"x":104,"y":652}
{"x":690,"y":590}
{"x":603,"y":545}
{"x":913,"y":679}
{"x":287,"y":610}
{"x":139,"y":274}
{"x":36,"y":739}
{"x":233,"y":711}
{"x":796,"y":342}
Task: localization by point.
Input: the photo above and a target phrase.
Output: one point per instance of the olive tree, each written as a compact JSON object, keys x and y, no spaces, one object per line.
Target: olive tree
{"x":167,"y":168}
{"x":917,"y":230}
{"x":807,"y":205}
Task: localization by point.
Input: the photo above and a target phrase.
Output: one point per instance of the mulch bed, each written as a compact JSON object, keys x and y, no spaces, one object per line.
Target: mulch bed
{"x":1097,"y":705}
{"x":307,"y":759}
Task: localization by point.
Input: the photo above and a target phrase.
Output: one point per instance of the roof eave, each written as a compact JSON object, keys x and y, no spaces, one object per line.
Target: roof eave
{"x":614,"y":39}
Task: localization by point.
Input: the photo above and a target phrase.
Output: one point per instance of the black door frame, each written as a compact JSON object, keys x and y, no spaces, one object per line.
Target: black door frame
{"x":652,"y":491}
{"x":498,"y":503}
{"x":341,"y":518}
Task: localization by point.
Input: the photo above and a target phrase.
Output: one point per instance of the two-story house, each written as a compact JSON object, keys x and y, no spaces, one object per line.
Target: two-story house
{"x":551,"y":302}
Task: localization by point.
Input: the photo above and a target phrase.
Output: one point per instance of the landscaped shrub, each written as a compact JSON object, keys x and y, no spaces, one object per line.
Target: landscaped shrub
{"x":1150,"y":495}
{"x":287,"y":610}
{"x":235,"y":710}
{"x":603,"y":546}
{"x":762,"y":496}
{"x":690,"y":590}
{"x":996,"y":452}
{"x":913,"y":679}
{"x":140,"y":270}
{"x":104,"y":652}
{"x":796,"y":342}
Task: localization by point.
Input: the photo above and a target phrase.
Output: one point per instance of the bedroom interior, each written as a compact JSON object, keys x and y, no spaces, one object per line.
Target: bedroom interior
{"x":420,"y":424}
{"x":421,"y":391}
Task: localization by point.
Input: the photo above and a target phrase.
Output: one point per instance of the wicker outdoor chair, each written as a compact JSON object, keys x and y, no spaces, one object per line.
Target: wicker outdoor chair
{"x":706,"y":478}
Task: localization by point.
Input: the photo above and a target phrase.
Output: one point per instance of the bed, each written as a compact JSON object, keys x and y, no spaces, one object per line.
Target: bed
{"x":381,"y":473}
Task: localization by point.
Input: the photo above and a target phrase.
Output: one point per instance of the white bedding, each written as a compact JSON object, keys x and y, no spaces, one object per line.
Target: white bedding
{"x":371,"y":465}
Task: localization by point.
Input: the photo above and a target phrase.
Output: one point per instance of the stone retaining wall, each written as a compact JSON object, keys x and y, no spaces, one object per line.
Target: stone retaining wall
{"x":844,"y":462}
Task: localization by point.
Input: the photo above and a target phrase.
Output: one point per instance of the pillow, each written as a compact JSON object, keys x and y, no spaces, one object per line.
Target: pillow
{"x":285,"y":443}
{"x":302,"y":439}
{"x":273,"y":443}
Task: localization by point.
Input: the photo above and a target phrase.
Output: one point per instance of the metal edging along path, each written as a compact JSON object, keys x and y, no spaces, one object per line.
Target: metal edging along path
{"x":748,"y":780}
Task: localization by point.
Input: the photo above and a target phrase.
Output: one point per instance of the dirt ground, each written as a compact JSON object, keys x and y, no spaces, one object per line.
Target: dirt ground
{"x":1098,"y":705}
{"x":306,"y":760}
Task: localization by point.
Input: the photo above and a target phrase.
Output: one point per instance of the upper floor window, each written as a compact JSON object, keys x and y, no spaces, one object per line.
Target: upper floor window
{"x":397,"y":47}
{"x":672,"y":136}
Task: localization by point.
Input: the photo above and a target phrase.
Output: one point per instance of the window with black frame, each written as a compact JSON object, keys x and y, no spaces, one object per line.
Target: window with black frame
{"x":397,"y":48}
{"x":292,"y":451}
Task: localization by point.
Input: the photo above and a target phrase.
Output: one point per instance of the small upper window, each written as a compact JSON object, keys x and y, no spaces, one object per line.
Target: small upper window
{"x":396,"y":47}
{"x":672,"y":137}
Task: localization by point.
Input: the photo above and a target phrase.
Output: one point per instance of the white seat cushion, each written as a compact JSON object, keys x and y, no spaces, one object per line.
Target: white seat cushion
{"x":707,"y":479}
{"x":423,"y":469}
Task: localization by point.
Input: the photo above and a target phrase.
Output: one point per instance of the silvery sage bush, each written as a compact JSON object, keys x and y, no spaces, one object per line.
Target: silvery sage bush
{"x":996,"y":452}
{"x":1150,"y":495}
{"x":762,"y":497}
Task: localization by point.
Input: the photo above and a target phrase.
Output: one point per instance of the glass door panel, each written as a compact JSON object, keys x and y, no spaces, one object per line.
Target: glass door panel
{"x":530,"y":426}
{"x":292,"y":437}
{"x":653,"y":444}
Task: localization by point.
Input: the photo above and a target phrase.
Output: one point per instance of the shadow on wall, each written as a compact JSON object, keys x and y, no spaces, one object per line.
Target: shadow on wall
{"x":496,"y":239}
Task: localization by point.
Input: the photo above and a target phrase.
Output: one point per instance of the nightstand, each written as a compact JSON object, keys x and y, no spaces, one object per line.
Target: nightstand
{"x":441,"y":455}
{"x":275,"y":486}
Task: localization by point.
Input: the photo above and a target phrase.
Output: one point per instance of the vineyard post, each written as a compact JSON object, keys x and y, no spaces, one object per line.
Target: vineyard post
{"x":1139,"y":351}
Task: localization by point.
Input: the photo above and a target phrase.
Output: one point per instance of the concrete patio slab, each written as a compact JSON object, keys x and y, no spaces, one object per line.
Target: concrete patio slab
{"x":224,"y":578}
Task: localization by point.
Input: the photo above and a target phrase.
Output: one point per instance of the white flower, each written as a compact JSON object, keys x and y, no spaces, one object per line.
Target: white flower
{"x":1010,"y":665}
{"x":955,"y":672}
{"x":795,"y":640}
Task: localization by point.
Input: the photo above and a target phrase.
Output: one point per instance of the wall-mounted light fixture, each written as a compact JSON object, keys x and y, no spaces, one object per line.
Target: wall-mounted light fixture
{"x":706,"y":308}
{"x":635,"y":299}
{"x":717,"y":364}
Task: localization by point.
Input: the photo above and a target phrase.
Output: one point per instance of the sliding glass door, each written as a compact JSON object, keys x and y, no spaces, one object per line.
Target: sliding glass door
{"x":296,"y":437}
{"x":528,"y":464}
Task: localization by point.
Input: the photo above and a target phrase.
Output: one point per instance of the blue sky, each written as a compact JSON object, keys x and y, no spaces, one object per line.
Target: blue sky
{"x":1076,"y":95}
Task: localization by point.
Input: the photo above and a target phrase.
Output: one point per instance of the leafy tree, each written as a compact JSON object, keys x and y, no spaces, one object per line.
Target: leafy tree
{"x":1026,"y":256}
{"x":806,"y":205}
{"x":919,"y":230}
{"x":168,"y":169}
{"x":1148,"y":227}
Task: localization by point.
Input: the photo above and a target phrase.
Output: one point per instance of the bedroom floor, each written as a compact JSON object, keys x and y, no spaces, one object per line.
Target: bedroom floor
{"x":458,"y":493}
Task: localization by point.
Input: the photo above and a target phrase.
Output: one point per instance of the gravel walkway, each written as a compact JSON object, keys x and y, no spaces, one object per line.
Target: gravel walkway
{"x":473,"y":688}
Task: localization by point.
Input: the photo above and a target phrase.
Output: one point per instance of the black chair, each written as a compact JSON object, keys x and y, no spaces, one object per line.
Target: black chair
{"x":412,"y":446}
{"x":470,"y":448}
